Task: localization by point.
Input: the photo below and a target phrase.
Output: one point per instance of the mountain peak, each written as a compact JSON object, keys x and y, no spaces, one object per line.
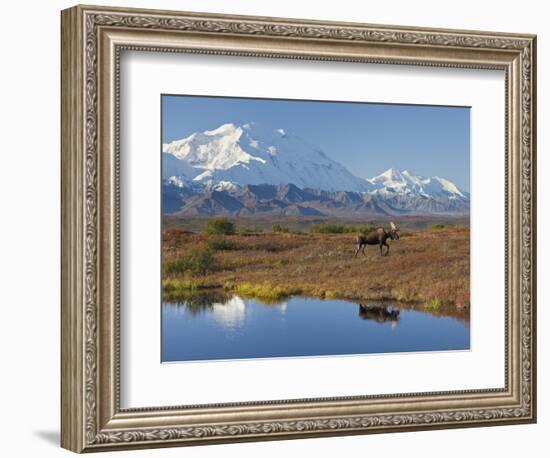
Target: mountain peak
{"x":396,"y":182}
{"x":391,"y":177}
{"x":391,"y":170}
{"x":392,"y":173}
{"x":255,"y":154}
{"x":224,"y":129}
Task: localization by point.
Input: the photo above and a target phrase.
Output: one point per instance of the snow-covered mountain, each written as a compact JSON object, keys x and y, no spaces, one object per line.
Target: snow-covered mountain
{"x":244,"y":170}
{"x":394,"y":181}
{"x":251,"y":154}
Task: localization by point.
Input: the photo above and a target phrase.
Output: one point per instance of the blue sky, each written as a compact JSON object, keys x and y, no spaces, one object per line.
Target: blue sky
{"x":366,"y":138}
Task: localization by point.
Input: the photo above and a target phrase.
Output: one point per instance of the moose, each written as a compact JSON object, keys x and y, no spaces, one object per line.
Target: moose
{"x":378,"y":313}
{"x":377,"y":237}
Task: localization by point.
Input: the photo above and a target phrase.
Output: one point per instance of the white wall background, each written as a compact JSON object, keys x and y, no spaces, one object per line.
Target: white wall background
{"x":29,"y":241}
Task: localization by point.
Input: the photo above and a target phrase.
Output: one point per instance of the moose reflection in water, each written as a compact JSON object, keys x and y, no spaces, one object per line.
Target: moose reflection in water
{"x":226,"y":326}
{"x":379,"y":313}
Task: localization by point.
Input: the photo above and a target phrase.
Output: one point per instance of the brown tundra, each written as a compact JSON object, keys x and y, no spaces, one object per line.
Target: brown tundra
{"x":377,"y":237}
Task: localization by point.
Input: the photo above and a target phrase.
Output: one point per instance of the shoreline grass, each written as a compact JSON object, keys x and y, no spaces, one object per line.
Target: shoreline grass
{"x":265,"y":292}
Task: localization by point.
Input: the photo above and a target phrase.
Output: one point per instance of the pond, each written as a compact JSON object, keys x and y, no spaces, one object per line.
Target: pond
{"x":218,"y":327}
{"x":210,"y":327}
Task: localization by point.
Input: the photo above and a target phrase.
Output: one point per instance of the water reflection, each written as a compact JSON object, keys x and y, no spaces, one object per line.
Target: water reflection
{"x":380,"y":314}
{"x":196,"y":302}
{"x":231,"y":313}
{"x":216,"y":325}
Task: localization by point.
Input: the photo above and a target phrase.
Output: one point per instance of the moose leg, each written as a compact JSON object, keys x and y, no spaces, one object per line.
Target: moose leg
{"x":381,"y":245}
{"x":364,"y":254}
{"x":387,"y":248}
{"x":357,"y":250}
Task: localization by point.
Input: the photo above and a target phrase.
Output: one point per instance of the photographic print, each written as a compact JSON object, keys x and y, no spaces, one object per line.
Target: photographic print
{"x":300,"y":228}
{"x":267,"y":199}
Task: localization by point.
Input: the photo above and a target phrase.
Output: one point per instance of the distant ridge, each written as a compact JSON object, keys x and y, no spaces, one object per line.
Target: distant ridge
{"x":286,"y":200}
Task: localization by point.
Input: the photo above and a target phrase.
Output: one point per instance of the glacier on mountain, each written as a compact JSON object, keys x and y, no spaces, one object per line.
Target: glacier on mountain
{"x":231,"y":157}
{"x":394,"y":181}
{"x":251,"y":154}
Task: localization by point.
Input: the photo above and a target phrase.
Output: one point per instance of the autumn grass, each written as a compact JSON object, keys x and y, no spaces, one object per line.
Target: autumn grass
{"x":196,"y":262}
{"x":333,"y":228}
{"x":428,"y":267}
{"x":266,"y":292}
{"x":432,"y":304}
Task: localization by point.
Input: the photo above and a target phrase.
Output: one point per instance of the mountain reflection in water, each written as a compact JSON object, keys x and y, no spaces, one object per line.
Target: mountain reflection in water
{"x":216,"y":325}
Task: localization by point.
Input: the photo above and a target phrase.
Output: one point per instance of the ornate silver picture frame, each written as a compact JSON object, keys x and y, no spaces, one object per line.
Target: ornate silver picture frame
{"x":93,"y":39}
